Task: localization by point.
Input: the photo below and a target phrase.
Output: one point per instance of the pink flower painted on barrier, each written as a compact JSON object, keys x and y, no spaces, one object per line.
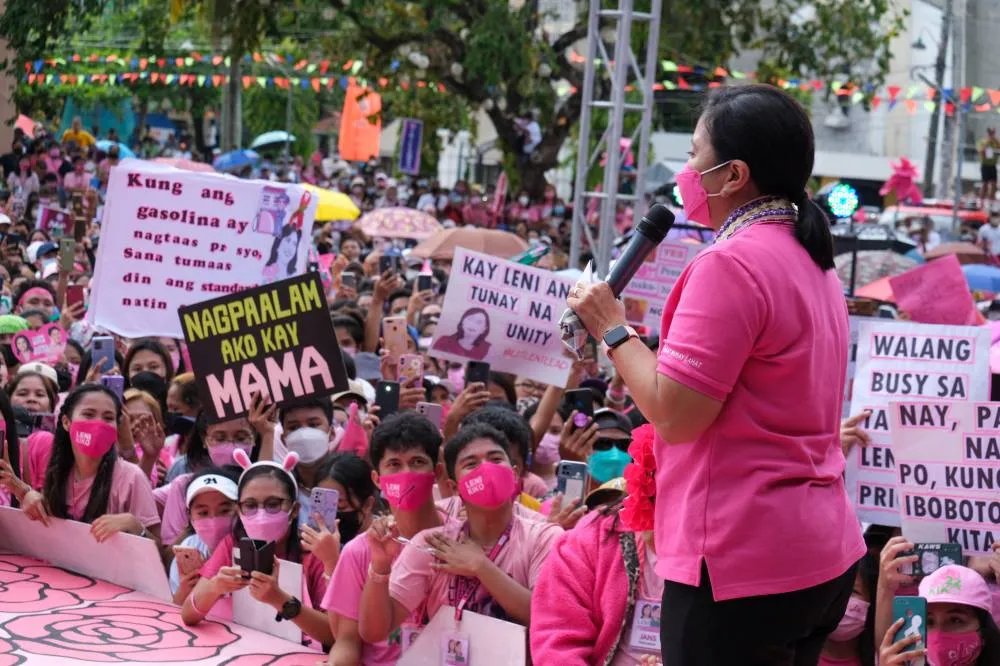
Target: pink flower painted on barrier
{"x":7,"y":655}
{"x":28,"y":586}
{"x":295,"y":659}
{"x":119,"y":631}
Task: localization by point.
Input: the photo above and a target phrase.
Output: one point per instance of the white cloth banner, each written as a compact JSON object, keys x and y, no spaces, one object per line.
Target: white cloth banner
{"x":505,"y":314}
{"x":171,"y":238}
{"x":906,"y":361}
{"x":948,"y":472}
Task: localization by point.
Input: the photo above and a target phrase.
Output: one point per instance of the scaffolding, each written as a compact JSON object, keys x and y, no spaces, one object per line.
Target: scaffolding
{"x":618,"y":72}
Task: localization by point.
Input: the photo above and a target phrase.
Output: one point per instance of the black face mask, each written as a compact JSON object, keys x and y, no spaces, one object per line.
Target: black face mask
{"x":178,"y":424}
{"x":349,"y":524}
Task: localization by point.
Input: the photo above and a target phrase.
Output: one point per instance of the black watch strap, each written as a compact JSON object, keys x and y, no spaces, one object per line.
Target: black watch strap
{"x":289,"y":610}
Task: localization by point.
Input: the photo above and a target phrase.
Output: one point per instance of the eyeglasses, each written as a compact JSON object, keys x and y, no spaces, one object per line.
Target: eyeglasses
{"x":606,"y":444}
{"x":224,"y":438}
{"x":248,"y":507}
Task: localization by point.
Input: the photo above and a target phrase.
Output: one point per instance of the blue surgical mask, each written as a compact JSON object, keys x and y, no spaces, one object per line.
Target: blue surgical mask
{"x":607,"y":465}
{"x":558,"y":211}
{"x":55,"y":314}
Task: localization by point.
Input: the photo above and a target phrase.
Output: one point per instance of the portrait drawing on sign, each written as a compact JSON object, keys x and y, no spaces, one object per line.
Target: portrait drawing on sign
{"x":284,"y":255}
{"x":469,"y":339}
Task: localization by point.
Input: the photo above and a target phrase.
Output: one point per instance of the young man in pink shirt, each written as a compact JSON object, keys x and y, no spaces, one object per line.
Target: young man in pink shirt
{"x":403,"y":451}
{"x":487,"y":564}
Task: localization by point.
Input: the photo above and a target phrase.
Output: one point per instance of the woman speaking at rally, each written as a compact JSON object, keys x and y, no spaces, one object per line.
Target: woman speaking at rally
{"x":754,"y":533}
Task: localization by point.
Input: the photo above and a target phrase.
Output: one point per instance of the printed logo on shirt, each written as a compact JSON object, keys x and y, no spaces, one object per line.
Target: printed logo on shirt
{"x":683,"y":358}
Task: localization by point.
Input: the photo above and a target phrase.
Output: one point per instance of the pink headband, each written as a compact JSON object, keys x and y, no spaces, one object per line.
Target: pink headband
{"x":34,"y":291}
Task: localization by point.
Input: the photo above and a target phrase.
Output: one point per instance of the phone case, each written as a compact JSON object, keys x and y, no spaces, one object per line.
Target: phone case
{"x":349,"y":280}
{"x":933,"y":556}
{"x":387,"y":398}
{"x":477,"y":372}
{"x":104,"y":348}
{"x":394,"y":334}
{"x":571,"y":480}
{"x":581,"y":400}
{"x":431,"y":411}
{"x":324,"y":502}
{"x":913,"y":610}
{"x":425,"y":282}
{"x":188,"y":559}
{"x":74,"y":294}
{"x":67,"y":247}
{"x":116,"y":383}
{"x":256,"y":556}
{"x":411,"y":370}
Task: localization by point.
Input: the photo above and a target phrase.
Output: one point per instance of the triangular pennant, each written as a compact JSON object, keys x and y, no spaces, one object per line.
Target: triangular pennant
{"x":721,"y":71}
{"x":737,"y":75}
{"x":171,"y":78}
{"x":356,"y":66}
{"x":31,"y":79}
{"x":857,"y":97}
{"x":949,"y":108}
{"x":965,"y":94}
{"x":669,"y":85}
{"x":323,"y":66}
{"x":247,"y":81}
{"x":930,"y":105}
{"x":217,"y":60}
{"x":217,"y":80}
{"x":142,"y":63}
{"x":202,"y":78}
{"x":977,"y":92}
{"x":316,"y":85}
{"x":261,"y":80}
{"x":931,"y":92}
{"x":911,"y":106}
{"x":994,"y":96}
{"x":683,"y":84}
{"x":179,"y":62}
{"x":983,"y":107}
{"x":189,"y":61}
{"x":161,"y":62}
{"x":348,"y":65}
{"x":669,"y":66}
{"x":876,"y":102}
{"x":893,"y":91}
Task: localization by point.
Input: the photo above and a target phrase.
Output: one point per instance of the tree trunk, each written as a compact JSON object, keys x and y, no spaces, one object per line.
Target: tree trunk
{"x":232,"y":127}
{"x":529,"y":170}
{"x":198,"y":123}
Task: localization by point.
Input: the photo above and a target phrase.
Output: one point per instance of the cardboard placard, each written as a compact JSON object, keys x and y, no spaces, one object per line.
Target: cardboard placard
{"x":936,"y":293}
{"x":45,"y":344}
{"x":277,"y":340}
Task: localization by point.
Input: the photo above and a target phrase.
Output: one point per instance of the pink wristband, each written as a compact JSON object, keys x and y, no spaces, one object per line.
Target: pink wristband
{"x":195,"y":608}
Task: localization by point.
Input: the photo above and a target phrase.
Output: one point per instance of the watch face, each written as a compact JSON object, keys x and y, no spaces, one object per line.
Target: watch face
{"x":616,"y":336}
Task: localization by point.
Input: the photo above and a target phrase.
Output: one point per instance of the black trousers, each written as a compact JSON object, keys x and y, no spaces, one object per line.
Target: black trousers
{"x":786,"y":629}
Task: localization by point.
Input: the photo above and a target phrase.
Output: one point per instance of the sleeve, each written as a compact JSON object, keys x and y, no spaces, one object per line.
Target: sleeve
{"x":718,"y":316}
{"x":563,"y":629}
{"x":174,"y":577}
{"x":410,"y":580}
{"x":546,"y":536}
{"x":343,"y":595}
{"x":175,"y":518}
{"x":222,"y":556}
{"x":139,"y":498}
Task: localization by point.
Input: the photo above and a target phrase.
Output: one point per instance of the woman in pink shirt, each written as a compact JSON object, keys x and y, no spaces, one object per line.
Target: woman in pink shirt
{"x":745,"y":396}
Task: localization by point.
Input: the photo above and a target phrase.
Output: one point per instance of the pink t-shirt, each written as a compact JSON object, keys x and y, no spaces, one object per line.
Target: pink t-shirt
{"x":413,"y":581}
{"x":130,"y":493}
{"x":760,"y":495}
{"x":830,"y":661}
{"x":452,"y":508}
{"x":39,"y":451}
{"x":175,"y":515}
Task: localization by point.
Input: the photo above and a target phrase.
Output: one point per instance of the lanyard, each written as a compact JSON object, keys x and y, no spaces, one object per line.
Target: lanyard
{"x":462,"y":589}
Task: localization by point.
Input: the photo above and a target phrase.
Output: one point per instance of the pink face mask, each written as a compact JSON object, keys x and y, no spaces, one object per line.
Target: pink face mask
{"x":222,"y":454}
{"x":959,"y":648}
{"x":547,"y":452}
{"x":213,"y":530}
{"x":693,"y":194}
{"x":488,"y":486}
{"x":264,"y":526}
{"x":853,"y":622}
{"x":407,"y":491}
{"x":93,"y":438}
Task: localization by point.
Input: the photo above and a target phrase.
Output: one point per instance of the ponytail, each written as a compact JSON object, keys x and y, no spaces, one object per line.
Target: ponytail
{"x":813,"y":231}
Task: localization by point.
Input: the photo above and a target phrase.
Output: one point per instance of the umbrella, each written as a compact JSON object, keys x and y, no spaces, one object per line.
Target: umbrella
{"x":879,"y":290}
{"x":123,"y":150}
{"x":332,"y":205}
{"x":186,"y":165}
{"x":399,"y":223}
{"x":982,"y":277}
{"x":967,"y":253}
{"x":854,"y":238}
{"x":235,"y":160}
{"x":26,"y":125}
{"x":871,"y":265}
{"x":272,"y":137}
{"x":489,"y":241}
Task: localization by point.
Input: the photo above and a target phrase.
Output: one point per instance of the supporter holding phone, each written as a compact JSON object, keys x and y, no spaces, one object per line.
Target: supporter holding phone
{"x":33,"y":393}
{"x":307,"y":430}
{"x":86,"y":480}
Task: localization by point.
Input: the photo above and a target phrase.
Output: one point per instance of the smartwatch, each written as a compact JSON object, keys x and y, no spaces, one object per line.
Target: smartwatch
{"x":616,"y":337}
{"x":289,"y":610}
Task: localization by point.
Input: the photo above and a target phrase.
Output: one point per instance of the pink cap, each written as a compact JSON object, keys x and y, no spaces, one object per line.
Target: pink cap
{"x":952,"y":584}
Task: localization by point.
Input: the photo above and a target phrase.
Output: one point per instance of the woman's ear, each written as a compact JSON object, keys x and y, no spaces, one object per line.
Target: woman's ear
{"x":738,"y":175}
{"x":65,"y":422}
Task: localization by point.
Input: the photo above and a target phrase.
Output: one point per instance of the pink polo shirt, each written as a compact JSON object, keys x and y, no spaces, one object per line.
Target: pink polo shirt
{"x":759,"y":496}
{"x":130,"y":493}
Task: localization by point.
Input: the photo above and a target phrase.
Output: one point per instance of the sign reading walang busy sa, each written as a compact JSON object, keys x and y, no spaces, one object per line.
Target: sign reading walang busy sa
{"x":505,"y":314}
{"x":277,"y":341}
{"x":948,"y":472}
{"x":171,"y":238}
{"x":899,"y":361}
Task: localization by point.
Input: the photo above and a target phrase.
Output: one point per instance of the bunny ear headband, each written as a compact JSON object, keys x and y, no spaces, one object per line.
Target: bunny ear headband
{"x":286,"y":466}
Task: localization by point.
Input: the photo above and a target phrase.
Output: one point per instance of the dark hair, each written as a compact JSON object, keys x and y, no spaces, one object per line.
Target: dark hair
{"x":51,"y":390}
{"x":293,"y":551}
{"x":772,"y":133}
{"x":88,"y":360}
{"x":399,"y":293}
{"x":62,"y":461}
{"x":152,"y":345}
{"x":188,"y":390}
{"x":70,"y":342}
{"x":512,"y":425}
{"x":197,"y":450}
{"x":468,"y":313}
{"x":352,"y":326}
{"x":23,"y":288}
{"x":991,"y":639}
{"x":453,"y":449}
{"x":402,"y":432}
{"x":286,"y":231}
{"x":345,"y":239}
{"x":310,"y":402}
{"x":506,"y":382}
{"x":352,"y":472}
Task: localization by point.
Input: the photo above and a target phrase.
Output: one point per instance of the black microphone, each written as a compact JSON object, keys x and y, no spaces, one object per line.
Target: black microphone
{"x":649,"y":232}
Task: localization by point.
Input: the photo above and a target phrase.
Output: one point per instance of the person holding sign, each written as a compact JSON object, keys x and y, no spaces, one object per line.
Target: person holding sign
{"x":754,"y":324}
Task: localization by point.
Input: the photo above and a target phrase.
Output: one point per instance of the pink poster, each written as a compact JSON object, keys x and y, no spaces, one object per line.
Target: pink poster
{"x":46,"y":344}
{"x":936,"y":293}
{"x":55,"y":221}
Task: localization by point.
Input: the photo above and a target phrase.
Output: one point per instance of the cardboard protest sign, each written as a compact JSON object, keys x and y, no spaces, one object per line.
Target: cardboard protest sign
{"x":948,"y":472}
{"x":276,"y":340}
{"x":504,"y":314}
{"x":936,"y":293}
{"x":852,"y":365}
{"x":906,"y":361}
{"x":45,"y":344}
{"x":251,"y":613}
{"x":171,"y":238}
{"x":55,"y":221}
{"x":647,"y":292}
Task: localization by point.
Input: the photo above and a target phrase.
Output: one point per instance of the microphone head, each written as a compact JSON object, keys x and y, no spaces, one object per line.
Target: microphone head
{"x":656,"y":223}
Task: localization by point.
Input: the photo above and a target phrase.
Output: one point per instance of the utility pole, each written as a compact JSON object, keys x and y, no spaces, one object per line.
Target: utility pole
{"x":939,"y":67}
{"x":948,"y":141}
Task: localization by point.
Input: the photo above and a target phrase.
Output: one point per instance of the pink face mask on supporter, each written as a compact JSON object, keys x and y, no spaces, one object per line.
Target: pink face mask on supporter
{"x":488,"y":486}
{"x":693,"y":194}
{"x":959,"y":648}
{"x":213,"y":530}
{"x":547,"y":452}
{"x":407,"y":491}
{"x":222,"y":454}
{"x":853,"y":622}
{"x":264,"y":526}
{"x":93,"y":438}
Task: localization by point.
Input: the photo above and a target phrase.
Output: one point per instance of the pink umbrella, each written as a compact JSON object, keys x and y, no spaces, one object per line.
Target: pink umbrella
{"x":26,"y":125}
{"x":186,"y":165}
{"x":398,"y":223}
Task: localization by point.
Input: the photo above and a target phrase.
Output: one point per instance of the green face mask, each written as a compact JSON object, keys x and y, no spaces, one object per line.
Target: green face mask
{"x":607,"y":465}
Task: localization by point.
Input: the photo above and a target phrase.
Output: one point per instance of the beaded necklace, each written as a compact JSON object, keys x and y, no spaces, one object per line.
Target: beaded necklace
{"x":773,"y":209}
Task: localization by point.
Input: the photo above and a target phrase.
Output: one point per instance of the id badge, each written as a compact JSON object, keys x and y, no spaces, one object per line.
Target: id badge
{"x":455,"y":650}
{"x":645,"y":636}
{"x":410,"y":634}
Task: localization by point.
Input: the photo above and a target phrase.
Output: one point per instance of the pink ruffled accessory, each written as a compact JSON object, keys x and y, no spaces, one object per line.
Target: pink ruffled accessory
{"x":640,"y":482}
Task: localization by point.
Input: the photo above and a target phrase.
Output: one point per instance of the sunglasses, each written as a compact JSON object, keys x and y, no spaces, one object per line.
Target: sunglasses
{"x":606,"y":444}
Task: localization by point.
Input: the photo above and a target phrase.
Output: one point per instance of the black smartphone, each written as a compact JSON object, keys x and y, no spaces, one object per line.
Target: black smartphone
{"x":425,"y":282}
{"x":387,"y":398}
{"x":349,"y":280}
{"x":477,"y":372}
{"x":581,"y":400}
{"x":388,"y":263}
{"x":256,"y":555}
